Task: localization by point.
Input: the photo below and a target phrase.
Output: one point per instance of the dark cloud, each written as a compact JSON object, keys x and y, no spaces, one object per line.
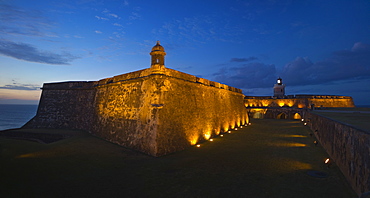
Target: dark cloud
{"x":243,"y":59}
{"x":17,"y":86}
{"x":18,"y":21}
{"x":26,"y":52}
{"x":250,"y":75}
{"x":341,"y":65}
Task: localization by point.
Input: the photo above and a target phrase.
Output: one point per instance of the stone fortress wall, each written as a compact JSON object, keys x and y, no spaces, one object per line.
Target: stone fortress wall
{"x":347,"y":146}
{"x":65,"y":105}
{"x":156,"y":111}
{"x":163,"y":111}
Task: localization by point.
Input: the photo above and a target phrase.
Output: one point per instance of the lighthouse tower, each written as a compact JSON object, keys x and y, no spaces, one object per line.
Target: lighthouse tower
{"x":279,"y":89}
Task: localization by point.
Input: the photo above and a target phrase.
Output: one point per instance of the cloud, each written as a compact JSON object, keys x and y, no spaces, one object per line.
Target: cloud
{"x":249,"y":75}
{"x":117,"y":24}
{"x":243,"y":59}
{"x":77,"y":36}
{"x":108,"y":13}
{"x":114,"y":15}
{"x":16,"y":86}
{"x":201,"y":29}
{"x":98,"y":32}
{"x":101,"y":18}
{"x":27,"y":52}
{"x":29,"y":22}
{"x":341,"y":65}
{"x":134,"y":16}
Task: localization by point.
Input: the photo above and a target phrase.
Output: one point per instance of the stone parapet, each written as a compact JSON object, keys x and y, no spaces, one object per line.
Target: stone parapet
{"x":167,"y":72}
{"x":69,"y":85}
{"x":347,"y":146}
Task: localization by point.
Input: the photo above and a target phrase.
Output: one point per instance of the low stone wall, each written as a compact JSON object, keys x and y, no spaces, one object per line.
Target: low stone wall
{"x":332,"y":102}
{"x":348,"y":147}
{"x":276,"y":113}
{"x":299,"y":101}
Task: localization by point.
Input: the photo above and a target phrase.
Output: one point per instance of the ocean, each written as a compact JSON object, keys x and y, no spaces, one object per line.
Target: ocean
{"x":15,"y":116}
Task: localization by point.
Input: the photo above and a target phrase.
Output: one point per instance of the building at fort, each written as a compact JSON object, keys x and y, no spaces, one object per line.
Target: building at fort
{"x":279,"y":99}
{"x":156,"y":110}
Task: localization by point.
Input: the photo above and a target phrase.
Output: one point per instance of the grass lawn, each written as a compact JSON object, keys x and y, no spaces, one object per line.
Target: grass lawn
{"x":270,"y":158}
{"x":353,"y":116}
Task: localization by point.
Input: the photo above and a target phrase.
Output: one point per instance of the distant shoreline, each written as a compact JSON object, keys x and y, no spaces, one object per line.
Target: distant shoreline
{"x":21,"y":104}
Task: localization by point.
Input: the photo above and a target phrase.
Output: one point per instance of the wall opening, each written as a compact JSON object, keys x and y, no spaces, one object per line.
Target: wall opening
{"x":297,"y":116}
{"x":258,"y":115}
{"x":281,"y":116}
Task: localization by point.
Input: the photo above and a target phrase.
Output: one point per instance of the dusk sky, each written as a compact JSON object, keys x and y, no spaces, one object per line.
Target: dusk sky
{"x":316,"y":47}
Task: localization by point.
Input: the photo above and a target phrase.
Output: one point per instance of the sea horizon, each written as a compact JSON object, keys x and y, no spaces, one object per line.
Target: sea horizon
{"x":16,"y":115}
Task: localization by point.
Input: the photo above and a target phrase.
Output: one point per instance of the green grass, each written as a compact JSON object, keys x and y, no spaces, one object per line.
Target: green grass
{"x":268,"y":159}
{"x":354,"y":117}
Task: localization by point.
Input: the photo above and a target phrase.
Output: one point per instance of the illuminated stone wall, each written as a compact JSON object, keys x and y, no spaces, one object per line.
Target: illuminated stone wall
{"x":276,"y":113}
{"x":300,"y":101}
{"x":332,"y":102}
{"x":193,"y":111}
{"x":155,"y":111}
{"x":163,"y":111}
{"x":347,"y":146}
{"x":273,"y":102}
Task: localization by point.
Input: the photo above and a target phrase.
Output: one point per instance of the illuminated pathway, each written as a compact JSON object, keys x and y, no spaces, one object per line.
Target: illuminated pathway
{"x":270,"y":158}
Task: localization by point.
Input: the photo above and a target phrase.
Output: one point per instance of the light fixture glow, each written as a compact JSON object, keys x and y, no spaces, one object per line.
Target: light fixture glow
{"x":327,"y":161}
{"x":305,"y":123}
{"x":221,"y":135}
{"x":198,"y":145}
{"x":229,"y":131}
{"x":211,"y":140}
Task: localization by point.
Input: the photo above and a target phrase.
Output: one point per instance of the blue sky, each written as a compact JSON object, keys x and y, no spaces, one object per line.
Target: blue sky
{"x":316,"y":47}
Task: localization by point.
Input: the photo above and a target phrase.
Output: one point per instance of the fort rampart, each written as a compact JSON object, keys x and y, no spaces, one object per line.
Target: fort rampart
{"x":347,"y":146}
{"x":155,"y":111}
{"x":299,"y":101}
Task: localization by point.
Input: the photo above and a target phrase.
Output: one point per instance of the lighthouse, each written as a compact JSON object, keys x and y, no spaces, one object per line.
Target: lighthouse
{"x":279,"y":89}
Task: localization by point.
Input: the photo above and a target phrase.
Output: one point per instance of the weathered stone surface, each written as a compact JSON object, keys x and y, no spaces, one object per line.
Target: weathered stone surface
{"x":65,"y":105}
{"x":348,"y":146}
{"x":157,"y":111}
{"x":193,"y":112}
